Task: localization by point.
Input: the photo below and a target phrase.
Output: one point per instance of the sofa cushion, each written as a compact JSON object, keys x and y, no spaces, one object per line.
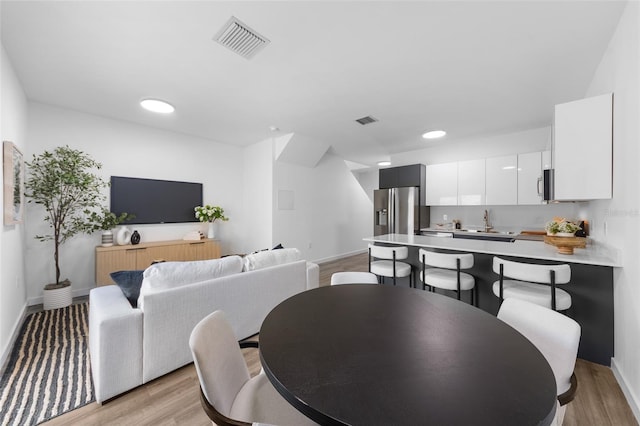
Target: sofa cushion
{"x":175,"y":274}
{"x":129,"y":282}
{"x":265,"y":259}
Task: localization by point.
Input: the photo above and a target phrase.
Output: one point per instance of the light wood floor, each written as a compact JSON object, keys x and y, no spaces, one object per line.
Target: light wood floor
{"x":174,"y":399}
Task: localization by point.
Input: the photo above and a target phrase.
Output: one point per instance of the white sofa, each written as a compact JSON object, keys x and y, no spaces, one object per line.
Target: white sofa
{"x":131,"y":346}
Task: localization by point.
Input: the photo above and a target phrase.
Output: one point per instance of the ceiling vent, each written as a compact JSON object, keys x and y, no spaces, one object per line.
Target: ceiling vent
{"x":241,"y":39}
{"x":367,"y":120}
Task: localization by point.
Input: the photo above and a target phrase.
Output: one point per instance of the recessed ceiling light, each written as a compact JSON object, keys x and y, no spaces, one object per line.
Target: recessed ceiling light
{"x":156,"y":105}
{"x":384,"y":163}
{"x":434,"y":134}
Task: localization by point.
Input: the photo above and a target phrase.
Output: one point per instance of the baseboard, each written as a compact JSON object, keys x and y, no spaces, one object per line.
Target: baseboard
{"x":338,"y":257}
{"x":6,"y":351}
{"x":75,"y":293}
{"x":632,"y":399}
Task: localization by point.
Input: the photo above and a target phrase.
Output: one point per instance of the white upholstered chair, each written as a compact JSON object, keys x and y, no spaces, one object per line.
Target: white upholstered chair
{"x":385,"y":262}
{"x":228,"y":394}
{"x":532,"y":282}
{"x":555,"y":335}
{"x":353,"y":278}
{"x":445,"y":271}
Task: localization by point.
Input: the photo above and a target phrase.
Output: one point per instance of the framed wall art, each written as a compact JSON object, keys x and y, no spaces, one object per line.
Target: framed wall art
{"x":13,"y":167}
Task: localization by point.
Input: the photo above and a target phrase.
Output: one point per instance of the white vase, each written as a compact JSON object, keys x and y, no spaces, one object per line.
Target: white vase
{"x":107,"y":238}
{"x":123,"y":236}
{"x":211,"y":232}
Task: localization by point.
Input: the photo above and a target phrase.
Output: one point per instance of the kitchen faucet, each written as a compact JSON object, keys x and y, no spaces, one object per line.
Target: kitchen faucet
{"x":486,"y":221}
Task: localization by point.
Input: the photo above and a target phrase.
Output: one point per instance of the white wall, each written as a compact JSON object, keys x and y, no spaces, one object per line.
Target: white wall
{"x":331,"y":211}
{"x":258,"y":196}
{"x":127,"y":149}
{"x":616,"y":221}
{"x":12,"y":275}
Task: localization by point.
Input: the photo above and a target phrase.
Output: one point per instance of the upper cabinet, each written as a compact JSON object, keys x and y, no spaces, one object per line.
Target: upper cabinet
{"x":442,"y":184}
{"x":502,"y":180}
{"x":530,"y":168}
{"x":471,"y":182}
{"x":398,"y":177}
{"x":583,"y":149}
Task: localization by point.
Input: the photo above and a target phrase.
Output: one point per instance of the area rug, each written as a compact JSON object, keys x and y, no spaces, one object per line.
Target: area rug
{"x":48,"y":373}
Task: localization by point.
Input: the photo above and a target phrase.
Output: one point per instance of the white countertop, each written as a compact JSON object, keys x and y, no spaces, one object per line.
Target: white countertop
{"x":594,"y":254}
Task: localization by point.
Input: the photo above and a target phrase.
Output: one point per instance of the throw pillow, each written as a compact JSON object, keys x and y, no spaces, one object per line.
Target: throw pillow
{"x":129,"y":282}
{"x":278,"y":247}
{"x":175,"y":274}
{"x":265,"y":259}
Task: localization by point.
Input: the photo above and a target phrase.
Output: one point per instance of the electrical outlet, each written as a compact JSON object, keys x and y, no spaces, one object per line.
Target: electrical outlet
{"x":445,"y":217}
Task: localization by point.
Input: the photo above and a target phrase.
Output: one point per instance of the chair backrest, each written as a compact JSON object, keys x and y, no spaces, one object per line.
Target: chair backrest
{"x":532,"y":272}
{"x":353,"y":278}
{"x":445,"y":260}
{"x":555,"y":335}
{"x":381,"y":252}
{"x":219,"y":363}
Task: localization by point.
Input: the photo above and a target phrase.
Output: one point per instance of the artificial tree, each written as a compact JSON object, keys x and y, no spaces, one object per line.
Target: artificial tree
{"x":65,"y":184}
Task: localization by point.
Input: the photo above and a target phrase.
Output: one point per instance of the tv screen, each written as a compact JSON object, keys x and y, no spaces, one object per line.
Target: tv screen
{"x":155,"y":201}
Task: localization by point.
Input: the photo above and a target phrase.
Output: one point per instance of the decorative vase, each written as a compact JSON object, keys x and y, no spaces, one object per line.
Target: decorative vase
{"x":57,"y":296}
{"x":135,"y":238}
{"x":123,"y":236}
{"x":211,"y":232}
{"x":107,"y":238}
{"x":564,"y":234}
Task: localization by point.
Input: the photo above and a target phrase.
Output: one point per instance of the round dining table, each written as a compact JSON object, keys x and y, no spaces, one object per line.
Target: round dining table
{"x":371,"y":354}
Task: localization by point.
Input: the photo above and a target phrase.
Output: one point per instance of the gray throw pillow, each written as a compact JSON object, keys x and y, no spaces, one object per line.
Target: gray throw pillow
{"x":129,"y":282}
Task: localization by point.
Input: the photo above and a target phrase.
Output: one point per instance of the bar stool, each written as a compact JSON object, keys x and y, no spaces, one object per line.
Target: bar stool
{"x":389,"y":266}
{"x":445,"y":272}
{"x":532,"y":282}
{"x":353,"y":278}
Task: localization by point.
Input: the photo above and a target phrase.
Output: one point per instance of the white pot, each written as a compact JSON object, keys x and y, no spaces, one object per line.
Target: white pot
{"x":123,"y":236}
{"x":565,"y":234}
{"x":107,"y":238}
{"x":56,"y":298}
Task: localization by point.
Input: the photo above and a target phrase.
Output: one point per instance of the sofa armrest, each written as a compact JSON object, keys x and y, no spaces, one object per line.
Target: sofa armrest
{"x":115,"y":342}
{"x":313,"y":275}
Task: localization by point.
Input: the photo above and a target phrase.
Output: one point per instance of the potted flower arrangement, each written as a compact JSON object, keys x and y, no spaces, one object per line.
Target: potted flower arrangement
{"x":561,"y":227}
{"x":210,"y":214}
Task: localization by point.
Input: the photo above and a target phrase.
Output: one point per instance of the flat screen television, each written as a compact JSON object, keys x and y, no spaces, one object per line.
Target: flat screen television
{"x":155,"y":201}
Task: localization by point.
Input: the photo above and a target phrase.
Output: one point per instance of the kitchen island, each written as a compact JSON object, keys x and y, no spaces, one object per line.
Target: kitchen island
{"x":591,"y":285}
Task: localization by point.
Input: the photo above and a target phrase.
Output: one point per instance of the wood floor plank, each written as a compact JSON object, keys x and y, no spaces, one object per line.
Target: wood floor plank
{"x":174,"y":398}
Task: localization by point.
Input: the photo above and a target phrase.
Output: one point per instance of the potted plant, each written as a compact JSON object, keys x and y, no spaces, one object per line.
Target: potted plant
{"x":64,"y":183}
{"x":561,"y":227}
{"x":105,"y":221}
{"x":210,"y":214}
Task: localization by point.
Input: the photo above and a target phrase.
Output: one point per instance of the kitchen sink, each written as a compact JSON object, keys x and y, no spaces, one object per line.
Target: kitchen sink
{"x":474,"y":234}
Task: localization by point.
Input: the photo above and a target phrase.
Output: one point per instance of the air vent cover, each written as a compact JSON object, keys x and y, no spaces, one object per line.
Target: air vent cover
{"x":367,"y":120}
{"x":241,"y":39}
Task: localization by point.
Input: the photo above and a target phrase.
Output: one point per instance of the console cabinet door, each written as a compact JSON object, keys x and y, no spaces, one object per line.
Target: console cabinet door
{"x":583,"y":149}
{"x":502,"y":180}
{"x":471,"y":182}
{"x":442,"y":184}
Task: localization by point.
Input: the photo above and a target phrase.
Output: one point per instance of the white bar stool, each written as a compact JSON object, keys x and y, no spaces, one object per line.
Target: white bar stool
{"x":534,"y":283}
{"x":388,"y":265}
{"x":445,"y":272}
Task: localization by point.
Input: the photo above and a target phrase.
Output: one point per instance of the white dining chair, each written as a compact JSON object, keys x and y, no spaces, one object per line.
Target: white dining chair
{"x":556,"y":336}
{"x":353,"y":278}
{"x":228,"y":394}
{"x":534,"y":283}
{"x":445,"y":272}
{"x":385,"y":262}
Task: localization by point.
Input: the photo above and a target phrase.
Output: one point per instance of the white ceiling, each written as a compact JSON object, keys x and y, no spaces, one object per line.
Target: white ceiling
{"x":472,"y":68}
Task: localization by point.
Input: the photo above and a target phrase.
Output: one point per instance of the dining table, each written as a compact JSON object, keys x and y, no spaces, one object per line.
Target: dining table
{"x":372,"y":354}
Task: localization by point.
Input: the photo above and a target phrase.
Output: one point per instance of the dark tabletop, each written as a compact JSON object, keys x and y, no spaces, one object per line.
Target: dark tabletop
{"x":383,"y":355}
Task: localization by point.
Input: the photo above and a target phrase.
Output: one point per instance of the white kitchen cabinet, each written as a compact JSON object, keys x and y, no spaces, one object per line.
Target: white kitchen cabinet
{"x":502,"y":180}
{"x":546,"y":160}
{"x":471,"y":184}
{"x":530,"y":178}
{"x":583,"y":149}
{"x":442,"y":184}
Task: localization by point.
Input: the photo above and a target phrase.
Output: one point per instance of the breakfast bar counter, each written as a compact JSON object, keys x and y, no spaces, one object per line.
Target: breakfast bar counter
{"x":591,"y":285}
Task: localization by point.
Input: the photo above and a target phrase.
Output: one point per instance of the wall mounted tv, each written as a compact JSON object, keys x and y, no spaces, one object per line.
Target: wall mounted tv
{"x":155,"y":201}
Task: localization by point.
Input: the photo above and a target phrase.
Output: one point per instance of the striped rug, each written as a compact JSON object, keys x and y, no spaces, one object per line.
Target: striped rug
{"x":48,"y":373}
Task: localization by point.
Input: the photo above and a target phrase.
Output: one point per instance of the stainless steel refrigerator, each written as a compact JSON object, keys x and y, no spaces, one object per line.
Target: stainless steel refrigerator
{"x":399,"y":211}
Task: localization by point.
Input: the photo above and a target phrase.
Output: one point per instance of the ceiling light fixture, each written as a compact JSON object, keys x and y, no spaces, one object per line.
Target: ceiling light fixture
{"x":434,"y":134}
{"x":156,"y":105}
{"x":384,"y":163}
